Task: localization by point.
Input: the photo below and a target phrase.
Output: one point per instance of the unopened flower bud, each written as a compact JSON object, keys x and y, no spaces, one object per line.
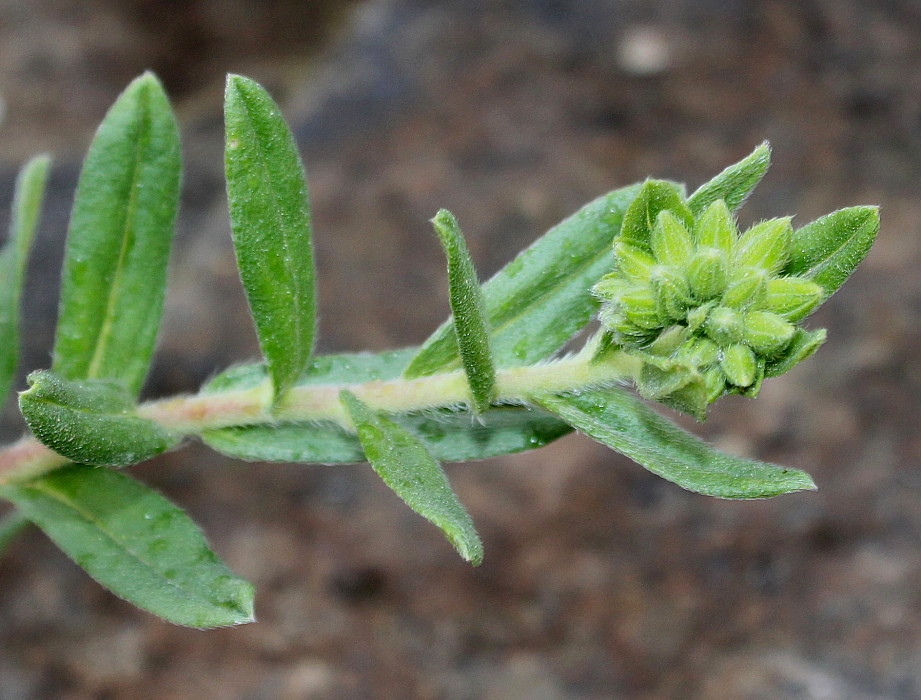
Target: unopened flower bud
{"x":706,"y":273}
{"x":739,"y":365}
{"x":803,"y":344}
{"x":724,"y":325}
{"x":669,"y":341}
{"x":716,"y":228}
{"x":671,"y":242}
{"x":611,"y":286}
{"x":626,"y":333}
{"x":747,"y":288}
{"x":638,"y":306}
{"x":633,"y":261}
{"x":765,"y":245}
{"x":766,"y":333}
{"x":715,"y":383}
{"x":672,"y":292}
{"x":792,"y":297}
{"x":698,"y":315}
{"x":702,"y":352}
{"x":707,"y":310}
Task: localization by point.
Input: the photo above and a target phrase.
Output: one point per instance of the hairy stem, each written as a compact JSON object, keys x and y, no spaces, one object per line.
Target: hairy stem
{"x":191,"y":415}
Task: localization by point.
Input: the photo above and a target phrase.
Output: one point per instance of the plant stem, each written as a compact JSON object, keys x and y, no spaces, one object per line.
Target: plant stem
{"x":191,"y":415}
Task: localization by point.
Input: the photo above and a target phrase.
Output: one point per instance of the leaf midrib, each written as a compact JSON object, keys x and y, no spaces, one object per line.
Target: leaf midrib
{"x":278,"y":220}
{"x":105,"y":330}
{"x":811,"y":271}
{"x":509,"y":319}
{"x":118,"y":544}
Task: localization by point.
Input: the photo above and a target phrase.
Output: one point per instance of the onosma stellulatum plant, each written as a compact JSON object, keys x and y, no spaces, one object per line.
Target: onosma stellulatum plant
{"x":690,"y":308}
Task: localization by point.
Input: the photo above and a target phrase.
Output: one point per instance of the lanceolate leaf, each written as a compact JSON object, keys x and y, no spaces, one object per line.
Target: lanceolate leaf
{"x":406,"y":467}
{"x":828,"y":249}
{"x":270,"y":220}
{"x":27,"y":203}
{"x":620,"y":421}
{"x":654,"y":196}
{"x":118,"y":241}
{"x":735,"y":183}
{"x":92,"y":422}
{"x":542,"y":297}
{"x":470,"y":324}
{"x":135,"y":543}
{"x":448,"y":435}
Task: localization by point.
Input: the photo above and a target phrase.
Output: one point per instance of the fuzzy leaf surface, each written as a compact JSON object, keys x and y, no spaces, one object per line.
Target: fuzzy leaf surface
{"x":828,"y":249}
{"x":118,"y":241}
{"x":92,"y":422}
{"x":27,"y":204}
{"x":135,"y":543}
{"x":654,"y":197}
{"x":448,"y":435}
{"x":616,"y":419}
{"x":404,"y":464}
{"x":470,"y":325}
{"x":542,"y":297}
{"x":270,"y":221}
{"x":735,"y":183}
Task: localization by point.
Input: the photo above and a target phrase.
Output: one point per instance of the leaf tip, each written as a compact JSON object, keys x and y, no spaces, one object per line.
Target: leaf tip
{"x":146,"y":81}
{"x":445,"y":225}
{"x":236,"y":83}
{"x":468,"y":545}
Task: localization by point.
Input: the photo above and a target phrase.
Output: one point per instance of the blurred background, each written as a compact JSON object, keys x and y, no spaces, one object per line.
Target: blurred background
{"x":600,"y":580}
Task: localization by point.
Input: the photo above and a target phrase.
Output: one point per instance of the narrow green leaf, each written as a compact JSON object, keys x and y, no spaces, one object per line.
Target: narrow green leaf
{"x":27,"y":204}
{"x":470,"y":325}
{"x":654,"y":197}
{"x":135,"y":543}
{"x":118,"y":241}
{"x":735,"y":183}
{"x":616,"y":419}
{"x":270,"y":221}
{"x":448,"y":435}
{"x":828,"y":249}
{"x":11,"y":525}
{"x":406,"y":467}
{"x":92,"y":422}
{"x":345,"y":368}
{"x":801,"y":346}
{"x":543,"y":297}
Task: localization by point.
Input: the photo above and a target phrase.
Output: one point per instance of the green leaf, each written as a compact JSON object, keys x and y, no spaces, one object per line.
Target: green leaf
{"x":448,"y":435}
{"x":735,"y":183}
{"x":470,"y":325}
{"x":323,"y":369}
{"x":270,"y":221}
{"x":406,"y":467}
{"x":135,"y":543}
{"x":118,"y":241}
{"x":654,"y":197}
{"x":92,"y":422}
{"x":828,"y":249}
{"x":11,"y":525}
{"x":27,"y":204}
{"x":620,"y":421}
{"x":543,"y":297}
{"x":801,"y":346}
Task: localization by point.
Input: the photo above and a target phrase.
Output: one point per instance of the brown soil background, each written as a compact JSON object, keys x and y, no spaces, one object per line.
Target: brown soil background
{"x":600,"y":580}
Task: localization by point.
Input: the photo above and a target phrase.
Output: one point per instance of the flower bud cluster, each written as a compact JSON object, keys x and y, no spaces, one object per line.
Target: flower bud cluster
{"x":697,"y":294}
